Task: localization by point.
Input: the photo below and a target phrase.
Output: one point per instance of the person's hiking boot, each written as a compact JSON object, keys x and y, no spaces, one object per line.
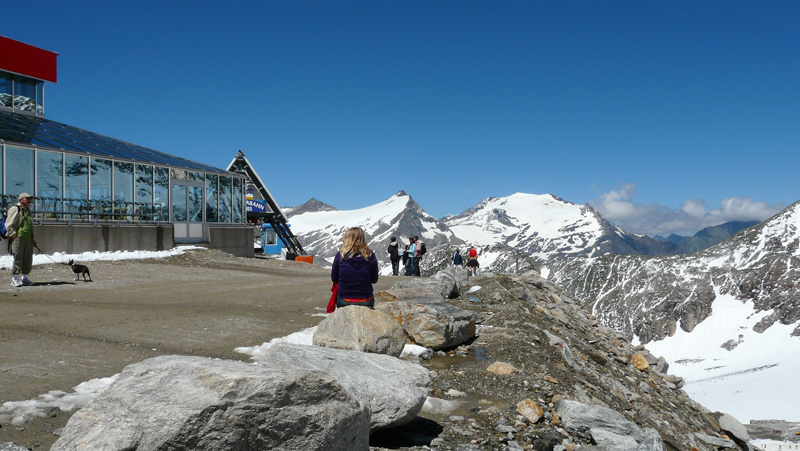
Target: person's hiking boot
{"x":26,"y":281}
{"x":16,"y":281}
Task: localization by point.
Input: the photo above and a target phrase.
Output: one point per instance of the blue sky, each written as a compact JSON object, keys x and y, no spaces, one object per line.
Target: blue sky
{"x":666,"y":116}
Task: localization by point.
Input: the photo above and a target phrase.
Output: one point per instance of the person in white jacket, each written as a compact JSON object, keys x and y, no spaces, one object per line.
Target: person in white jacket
{"x":19,"y":229}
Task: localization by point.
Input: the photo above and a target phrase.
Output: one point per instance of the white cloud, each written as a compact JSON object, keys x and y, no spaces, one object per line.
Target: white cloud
{"x":619,"y":207}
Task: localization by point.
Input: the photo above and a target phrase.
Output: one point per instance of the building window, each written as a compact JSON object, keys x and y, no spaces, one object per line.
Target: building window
{"x":238,"y":201}
{"x":76,"y":184}
{"x":19,"y":171}
{"x":21,"y":93}
{"x":212,"y":210}
{"x":143,"y":192}
{"x":195,"y":207}
{"x":161,"y":194}
{"x":6,"y":92}
{"x":49,"y":177}
{"x":224,"y":199}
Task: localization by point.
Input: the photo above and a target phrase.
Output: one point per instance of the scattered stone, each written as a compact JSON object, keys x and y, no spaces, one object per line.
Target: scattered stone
{"x":529,"y":409}
{"x":501,"y":368}
{"x":639,"y":362}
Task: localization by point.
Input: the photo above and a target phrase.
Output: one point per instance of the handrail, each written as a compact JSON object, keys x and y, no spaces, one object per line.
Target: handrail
{"x":91,"y":210}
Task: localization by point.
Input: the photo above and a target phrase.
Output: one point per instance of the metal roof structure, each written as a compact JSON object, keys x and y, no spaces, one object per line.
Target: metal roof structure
{"x":275,"y":217}
{"x":18,"y":128}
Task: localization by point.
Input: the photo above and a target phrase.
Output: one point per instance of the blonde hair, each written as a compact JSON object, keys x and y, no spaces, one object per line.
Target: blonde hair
{"x":355,"y":243}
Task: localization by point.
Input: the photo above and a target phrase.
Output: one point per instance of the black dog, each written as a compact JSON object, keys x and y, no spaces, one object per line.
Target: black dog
{"x":80,"y":270}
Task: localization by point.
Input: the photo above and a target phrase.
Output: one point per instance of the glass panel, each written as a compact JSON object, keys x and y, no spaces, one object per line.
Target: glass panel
{"x":179,"y":174}
{"x":178,"y":203}
{"x":19,"y":171}
{"x":6,"y":94}
{"x":161,"y":194}
{"x":24,"y":95}
{"x":123,"y":181}
{"x":49,"y":172}
{"x":123,"y":190}
{"x":40,"y":97}
{"x":76,"y":185}
{"x":224,"y":199}
{"x":100,"y":179}
{"x":195,"y":176}
{"x":212,"y":182}
{"x":195,"y":207}
{"x":238,"y":201}
{"x":100,"y":193}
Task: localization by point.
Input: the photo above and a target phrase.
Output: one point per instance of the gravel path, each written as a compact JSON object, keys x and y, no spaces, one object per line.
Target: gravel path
{"x":59,"y":333}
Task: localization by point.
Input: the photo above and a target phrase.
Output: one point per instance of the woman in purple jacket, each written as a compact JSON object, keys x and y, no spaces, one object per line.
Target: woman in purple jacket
{"x":355,"y":269}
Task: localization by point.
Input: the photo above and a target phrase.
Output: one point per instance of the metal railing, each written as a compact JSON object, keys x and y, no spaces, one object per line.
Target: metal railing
{"x":57,"y":209}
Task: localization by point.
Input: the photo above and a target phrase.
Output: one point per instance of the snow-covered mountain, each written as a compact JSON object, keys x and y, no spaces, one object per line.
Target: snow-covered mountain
{"x":321,"y":231}
{"x":548,"y":228}
{"x":728,"y":315}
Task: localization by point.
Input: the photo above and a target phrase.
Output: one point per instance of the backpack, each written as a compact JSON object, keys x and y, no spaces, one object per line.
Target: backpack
{"x":3,"y":230}
{"x":422,"y":249}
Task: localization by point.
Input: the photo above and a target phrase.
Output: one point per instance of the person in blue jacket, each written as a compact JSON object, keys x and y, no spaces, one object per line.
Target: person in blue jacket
{"x":412,"y":256}
{"x":355,"y":269}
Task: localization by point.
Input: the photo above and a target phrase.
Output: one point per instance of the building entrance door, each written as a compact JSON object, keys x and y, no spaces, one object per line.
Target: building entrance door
{"x":187,"y":211}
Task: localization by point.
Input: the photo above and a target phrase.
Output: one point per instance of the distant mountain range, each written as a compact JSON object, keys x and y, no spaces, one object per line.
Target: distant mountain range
{"x":543,"y":228}
{"x":320,"y":227}
{"x":706,"y":237}
{"x":723,"y":304}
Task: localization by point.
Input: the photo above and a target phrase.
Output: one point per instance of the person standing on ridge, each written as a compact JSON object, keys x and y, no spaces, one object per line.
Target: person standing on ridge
{"x":412,"y":256}
{"x":394,"y":256}
{"x":457,"y":259}
{"x":473,"y":264}
{"x":19,"y":229}
{"x":355,"y":269}
{"x":421,"y":250}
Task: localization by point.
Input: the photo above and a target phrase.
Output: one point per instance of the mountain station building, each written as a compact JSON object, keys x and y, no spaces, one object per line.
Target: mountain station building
{"x":96,"y":193}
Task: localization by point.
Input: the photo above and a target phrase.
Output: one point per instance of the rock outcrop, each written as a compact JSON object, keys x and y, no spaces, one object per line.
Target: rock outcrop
{"x":177,"y":402}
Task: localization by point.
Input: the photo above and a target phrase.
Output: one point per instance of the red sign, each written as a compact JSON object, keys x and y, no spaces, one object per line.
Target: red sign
{"x":27,"y":60}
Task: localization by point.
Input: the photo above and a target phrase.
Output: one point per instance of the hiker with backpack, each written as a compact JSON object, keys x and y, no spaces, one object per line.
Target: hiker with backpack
{"x":19,"y":230}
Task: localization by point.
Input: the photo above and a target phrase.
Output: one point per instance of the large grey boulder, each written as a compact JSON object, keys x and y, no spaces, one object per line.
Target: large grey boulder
{"x":394,"y":390}
{"x":361,"y":329}
{"x":179,"y":402}
{"x":453,"y":280}
{"x":426,"y":318}
{"x":432,"y":324}
{"x":732,"y":425}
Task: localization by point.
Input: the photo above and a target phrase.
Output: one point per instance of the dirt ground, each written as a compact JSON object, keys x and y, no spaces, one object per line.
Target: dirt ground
{"x":59,"y":333}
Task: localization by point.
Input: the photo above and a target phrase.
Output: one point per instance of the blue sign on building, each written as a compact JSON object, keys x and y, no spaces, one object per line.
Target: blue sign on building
{"x":256,"y":206}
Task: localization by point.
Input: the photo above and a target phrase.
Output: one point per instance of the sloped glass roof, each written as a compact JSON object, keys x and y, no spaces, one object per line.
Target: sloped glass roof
{"x":24,"y":129}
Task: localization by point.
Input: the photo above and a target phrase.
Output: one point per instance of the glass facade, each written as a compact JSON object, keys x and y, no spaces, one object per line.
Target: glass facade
{"x":75,"y":187}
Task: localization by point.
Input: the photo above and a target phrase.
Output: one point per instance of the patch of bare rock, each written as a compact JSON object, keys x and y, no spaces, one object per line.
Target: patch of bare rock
{"x":518,"y":365}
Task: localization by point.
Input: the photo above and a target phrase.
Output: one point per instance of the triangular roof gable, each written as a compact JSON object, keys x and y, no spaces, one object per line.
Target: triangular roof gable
{"x":240,"y":164}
